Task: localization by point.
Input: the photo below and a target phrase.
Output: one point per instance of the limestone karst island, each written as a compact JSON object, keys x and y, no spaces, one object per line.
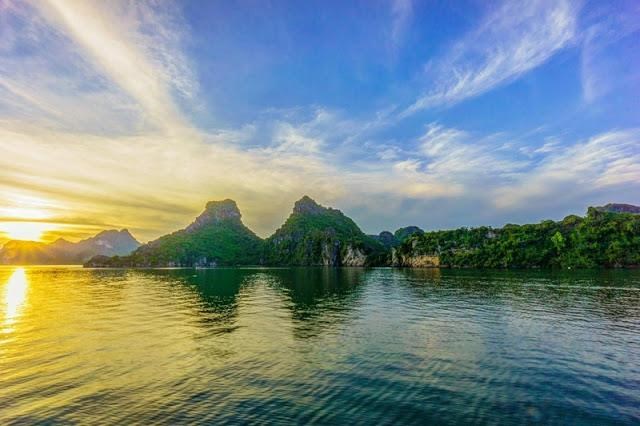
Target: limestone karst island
{"x":314,"y":235}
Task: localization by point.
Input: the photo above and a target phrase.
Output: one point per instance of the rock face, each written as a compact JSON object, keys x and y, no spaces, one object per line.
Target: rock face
{"x":307,"y":206}
{"x":216,"y":212}
{"x":619,"y":208}
{"x":317,"y":235}
{"x":415,"y":260}
{"x":330,"y":253}
{"x":63,"y":252}
{"x":354,"y":257}
{"x":217,"y":237}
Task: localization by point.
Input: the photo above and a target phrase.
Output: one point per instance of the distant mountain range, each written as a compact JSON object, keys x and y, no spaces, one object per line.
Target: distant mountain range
{"x":63,"y":252}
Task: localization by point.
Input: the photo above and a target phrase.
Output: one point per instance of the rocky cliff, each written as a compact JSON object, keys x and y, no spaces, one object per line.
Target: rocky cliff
{"x":414,"y":260}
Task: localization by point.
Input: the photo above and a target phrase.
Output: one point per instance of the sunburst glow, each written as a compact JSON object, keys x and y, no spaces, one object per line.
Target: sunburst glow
{"x":25,"y":230}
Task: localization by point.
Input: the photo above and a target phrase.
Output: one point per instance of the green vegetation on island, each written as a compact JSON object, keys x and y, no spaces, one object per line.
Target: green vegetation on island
{"x":405,"y":233}
{"x":216,"y":238}
{"x":601,"y":239}
{"x":316,"y":235}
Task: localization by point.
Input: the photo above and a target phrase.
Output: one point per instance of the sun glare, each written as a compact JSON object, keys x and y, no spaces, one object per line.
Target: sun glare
{"x":15,"y":297}
{"x":24,"y":230}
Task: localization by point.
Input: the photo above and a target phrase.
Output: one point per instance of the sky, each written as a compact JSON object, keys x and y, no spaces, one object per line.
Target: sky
{"x":133,"y":114}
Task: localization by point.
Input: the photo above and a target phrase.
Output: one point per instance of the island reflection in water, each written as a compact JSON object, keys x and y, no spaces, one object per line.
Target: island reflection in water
{"x":319,"y":345}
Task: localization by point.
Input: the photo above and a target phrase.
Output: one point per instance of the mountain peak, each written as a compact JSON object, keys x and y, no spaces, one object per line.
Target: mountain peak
{"x":217,"y":237}
{"x":216,"y":211}
{"x":106,"y":232}
{"x":113,"y":234}
{"x":318,"y":235}
{"x":107,"y":243}
{"x":125,"y":232}
{"x":306,"y":205}
{"x":60,"y":242}
{"x":224,"y":209}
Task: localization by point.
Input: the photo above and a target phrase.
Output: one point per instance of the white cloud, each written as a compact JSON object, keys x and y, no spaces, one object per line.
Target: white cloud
{"x":155,"y":181}
{"x":388,"y":153}
{"x":288,"y":138}
{"x":605,"y":161}
{"x":514,"y":39}
{"x":90,"y":123}
{"x":456,"y":154}
{"x":151,"y":176}
{"x":550,"y":145}
{"x":135,"y":45}
{"x":444,"y":163}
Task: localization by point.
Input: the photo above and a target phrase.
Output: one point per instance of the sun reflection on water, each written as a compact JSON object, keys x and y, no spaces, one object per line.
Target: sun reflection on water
{"x":15,"y":296}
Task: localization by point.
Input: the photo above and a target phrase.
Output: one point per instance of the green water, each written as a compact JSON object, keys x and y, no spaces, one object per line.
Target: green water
{"x":300,"y":346}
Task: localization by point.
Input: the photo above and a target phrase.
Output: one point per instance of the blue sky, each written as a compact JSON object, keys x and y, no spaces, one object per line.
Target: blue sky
{"x":438,"y":114}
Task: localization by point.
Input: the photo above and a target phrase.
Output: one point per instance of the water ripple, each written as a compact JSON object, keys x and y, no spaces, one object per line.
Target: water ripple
{"x":318,"y":346}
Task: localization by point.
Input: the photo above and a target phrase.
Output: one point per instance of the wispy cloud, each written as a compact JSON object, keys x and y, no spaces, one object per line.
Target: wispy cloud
{"x":452,"y":170}
{"x":156,"y":173}
{"x":443,"y":163}
{"x":94,"y":130}
{"x":512,"y":40}
{"x":135,"y":46}
{"x":401,"y":16}
{"x":598,"y":65}
{"x":604,"y":162}
{"x":456,"y":153}
{"x":154,"y":181}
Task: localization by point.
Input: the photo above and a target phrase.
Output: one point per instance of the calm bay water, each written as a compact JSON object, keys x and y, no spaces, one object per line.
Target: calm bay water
{"x":354,"y":346}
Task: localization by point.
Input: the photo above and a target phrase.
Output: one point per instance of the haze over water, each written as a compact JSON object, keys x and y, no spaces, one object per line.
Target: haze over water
{"x":313,"y":345}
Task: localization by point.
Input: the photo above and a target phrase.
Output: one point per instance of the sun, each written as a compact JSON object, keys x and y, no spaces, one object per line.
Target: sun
{"x":31,"y":231}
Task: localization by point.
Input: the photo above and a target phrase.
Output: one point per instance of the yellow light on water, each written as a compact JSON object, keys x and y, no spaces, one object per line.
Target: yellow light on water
{"x":15,"y":295}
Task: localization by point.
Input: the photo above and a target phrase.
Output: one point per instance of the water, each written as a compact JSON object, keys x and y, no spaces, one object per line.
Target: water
{"x":348,"y":346}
